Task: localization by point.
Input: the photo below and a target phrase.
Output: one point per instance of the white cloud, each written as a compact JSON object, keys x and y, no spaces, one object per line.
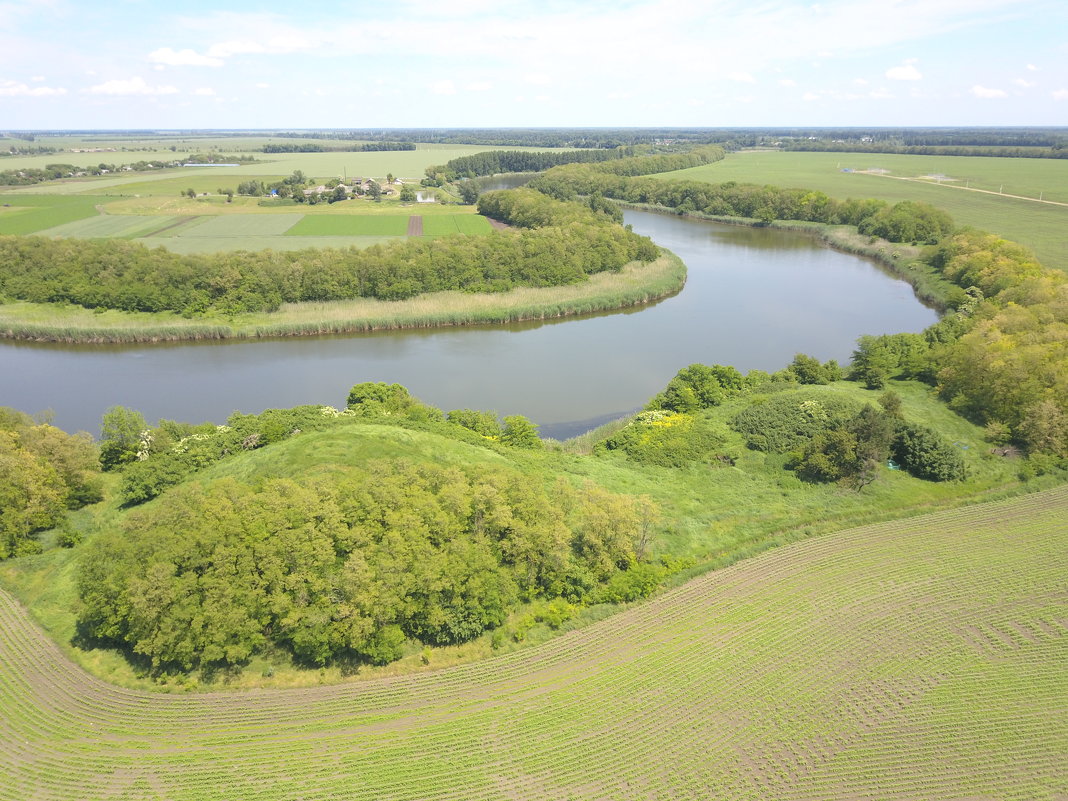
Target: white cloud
{"x":1059,"y":94}
{"x":742,"y":77}
{"x":905,"y":72}
{"x":787,"y":82}
{"x":860,"y":82}
{"x":131,"y":86}
{"x":183,"y":58}
{"x":810,"y":96}
{"x":479,"y":86}
{"x":37,"y":78}
{"x":13,"y":89}
{"x":234,"y":48}
{"x":880,"y":94}
{"x":204,"y":91}
{"x":445,"y":87}
{"x":537,"y":78}
{"x":984,"y":92}
{"x":262,"y":85}
{"x":1025,"y":83}
{"x":1032,"y":67}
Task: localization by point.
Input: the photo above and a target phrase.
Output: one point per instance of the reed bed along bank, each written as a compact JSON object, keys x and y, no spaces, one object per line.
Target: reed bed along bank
{"x":634,"y":285}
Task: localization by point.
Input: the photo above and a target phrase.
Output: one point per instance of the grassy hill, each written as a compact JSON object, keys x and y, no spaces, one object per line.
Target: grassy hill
{"x":922,"y":658}
{"x":711,"y":513}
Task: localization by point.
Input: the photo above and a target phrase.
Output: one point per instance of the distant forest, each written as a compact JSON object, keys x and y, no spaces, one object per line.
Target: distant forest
{"x":1054,"y":139}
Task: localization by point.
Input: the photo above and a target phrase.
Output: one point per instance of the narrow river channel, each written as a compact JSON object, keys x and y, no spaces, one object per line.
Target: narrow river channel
{"x":753,"y":299}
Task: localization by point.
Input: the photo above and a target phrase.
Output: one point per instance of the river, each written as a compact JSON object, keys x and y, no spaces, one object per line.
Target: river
{"x":754,"y":297}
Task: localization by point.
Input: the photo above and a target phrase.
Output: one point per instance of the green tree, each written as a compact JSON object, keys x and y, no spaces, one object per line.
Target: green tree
{"x":32,"y":496}
{"x":120,"y":436}
{"x":808,"y":370}
{"x":378,"y":397}
{"x":469,"y":192}
{"x":519,"y":432}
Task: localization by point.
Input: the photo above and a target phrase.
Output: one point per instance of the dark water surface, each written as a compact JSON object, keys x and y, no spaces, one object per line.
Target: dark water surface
{"x":753,"y":299}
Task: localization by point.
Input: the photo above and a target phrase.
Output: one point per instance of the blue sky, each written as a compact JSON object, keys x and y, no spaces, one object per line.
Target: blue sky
{"x":431,"y":63}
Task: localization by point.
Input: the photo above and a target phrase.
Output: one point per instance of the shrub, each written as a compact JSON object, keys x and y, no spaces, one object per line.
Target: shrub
{"x":785,"y":422}
{"x":665,"y":439}
{"x":927,"y":454}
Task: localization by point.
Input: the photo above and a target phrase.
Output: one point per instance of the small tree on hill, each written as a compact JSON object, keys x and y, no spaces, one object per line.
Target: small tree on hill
{"x":519,"y":432}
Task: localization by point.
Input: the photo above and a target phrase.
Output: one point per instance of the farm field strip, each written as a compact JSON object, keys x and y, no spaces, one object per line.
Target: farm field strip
{"x":839,"y":667}
{"x":110,"y":226}
{"x":39,"y":212}
{"x":455,"y":224}
{"x":245,"y":225}
{"x":351,"y":225}
{"x":186,"y":244}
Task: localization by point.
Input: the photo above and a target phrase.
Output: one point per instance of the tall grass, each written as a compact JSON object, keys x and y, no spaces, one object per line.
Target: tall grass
{"x":634,"y":285}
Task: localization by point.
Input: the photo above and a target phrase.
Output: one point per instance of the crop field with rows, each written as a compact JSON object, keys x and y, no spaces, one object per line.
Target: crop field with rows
{"x":921,"y":658}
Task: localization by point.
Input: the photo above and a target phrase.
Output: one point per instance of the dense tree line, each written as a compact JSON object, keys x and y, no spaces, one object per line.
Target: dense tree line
{"x":125,"y":275}
{"x":522,"y":137}
{"x":999,"y":151}
{"x":492,"y":162}
{"x":313,"y":147}
{"x":347,"y":568}
{"x":28,"y":176}
{"x":43,"y":472}
{"x":944,"y":137}
{"x":907,"y":221}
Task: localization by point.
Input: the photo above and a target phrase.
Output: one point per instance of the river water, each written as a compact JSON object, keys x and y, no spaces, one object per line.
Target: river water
{"x":754,"y":297}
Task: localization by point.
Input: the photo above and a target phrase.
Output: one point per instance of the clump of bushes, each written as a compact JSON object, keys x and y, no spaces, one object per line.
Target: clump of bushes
{"x":352,"y":567}
{"x":43,"y":473}
{"x":666,"y":439}
{"x":927,"y":454}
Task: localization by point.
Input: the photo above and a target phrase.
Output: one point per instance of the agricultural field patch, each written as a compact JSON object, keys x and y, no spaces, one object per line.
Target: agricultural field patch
{"x":111,"y":226}
{"x":40,"y":212}
{"x":921,"y":658}
{"x":195,"y":243}
{"x":245,"y":225}
{"x":200,"y":179}
{"x":1041,"y":226}
{"x":351,"y":225}
{"x":447,"y":225}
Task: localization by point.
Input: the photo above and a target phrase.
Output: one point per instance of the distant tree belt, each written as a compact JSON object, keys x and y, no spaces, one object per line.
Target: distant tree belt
{"x":313,"y":147}
{"x":907,"y":221}
{"x":565,"y":243}
{"x":28,"y":176}
{"x":1058,"y":151}
{"x":491,"y":162}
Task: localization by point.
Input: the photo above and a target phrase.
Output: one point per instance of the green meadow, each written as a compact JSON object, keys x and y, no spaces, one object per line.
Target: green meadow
{"x":29,"y":214}
{"x":1040,"y":226}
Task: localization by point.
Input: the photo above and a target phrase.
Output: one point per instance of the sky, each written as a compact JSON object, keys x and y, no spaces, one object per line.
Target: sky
{"x":119,"y":64}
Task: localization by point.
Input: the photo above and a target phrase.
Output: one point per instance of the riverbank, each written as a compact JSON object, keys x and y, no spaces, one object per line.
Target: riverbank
{"x":634,"y":285}
{"x":902,"y":260}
